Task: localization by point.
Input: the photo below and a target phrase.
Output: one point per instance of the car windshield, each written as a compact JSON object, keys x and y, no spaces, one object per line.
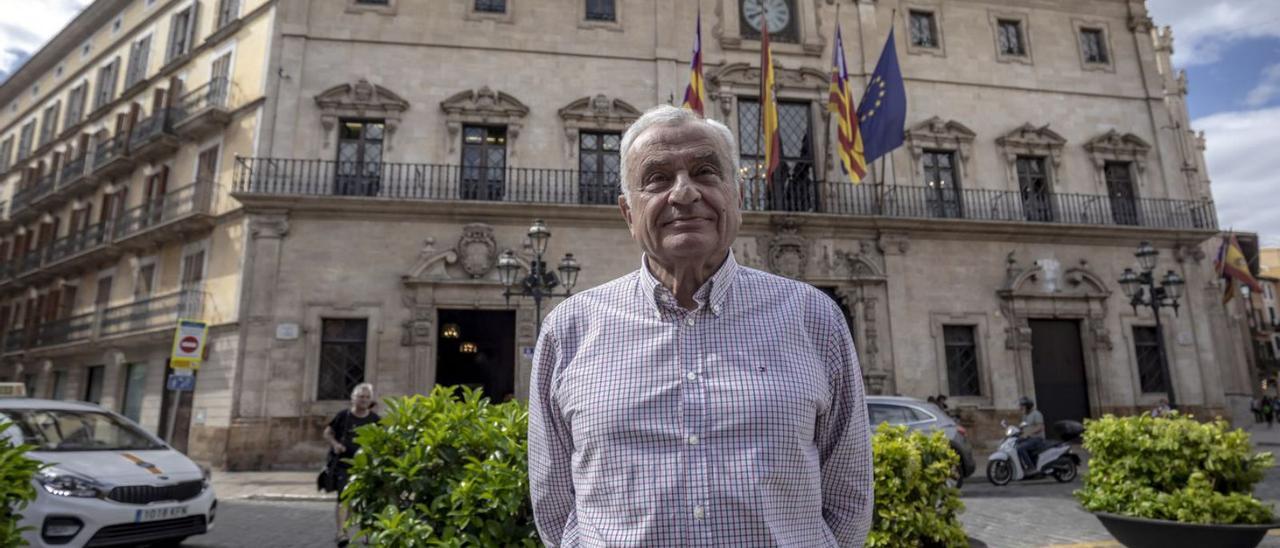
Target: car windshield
{"x":71,"y":430}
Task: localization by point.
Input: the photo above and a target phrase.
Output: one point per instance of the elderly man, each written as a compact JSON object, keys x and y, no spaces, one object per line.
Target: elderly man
{"x":696,"y":402}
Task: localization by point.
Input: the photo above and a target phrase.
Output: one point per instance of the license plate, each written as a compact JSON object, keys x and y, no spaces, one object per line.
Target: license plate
{"x":152,"y":514}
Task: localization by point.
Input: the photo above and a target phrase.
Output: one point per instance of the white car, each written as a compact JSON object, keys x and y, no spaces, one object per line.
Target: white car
{"x":108,"y":482}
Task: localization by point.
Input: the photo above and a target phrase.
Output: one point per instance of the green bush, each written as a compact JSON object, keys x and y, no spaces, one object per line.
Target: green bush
{"x":440,"y":470}
{"x":914,"y":504}
{"x":1173,"y":468}
{"x":16,"y":490}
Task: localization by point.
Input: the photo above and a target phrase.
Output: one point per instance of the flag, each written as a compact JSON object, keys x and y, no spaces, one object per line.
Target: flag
{"x":695,"y":94}
{"x":768,"y":105}
{"x":1234,"y":267}
{"x":840,"y":103}
{"x":882,"y":114}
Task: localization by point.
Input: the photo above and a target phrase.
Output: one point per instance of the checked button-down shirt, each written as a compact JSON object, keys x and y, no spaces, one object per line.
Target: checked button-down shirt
{"x":739,"y":423}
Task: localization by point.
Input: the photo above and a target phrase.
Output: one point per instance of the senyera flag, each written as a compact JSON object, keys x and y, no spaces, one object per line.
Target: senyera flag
{"x":695,"y":94}
{"x":840,"y":103}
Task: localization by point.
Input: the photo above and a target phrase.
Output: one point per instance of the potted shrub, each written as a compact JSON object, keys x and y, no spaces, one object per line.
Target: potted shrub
{"x":915,"y":505}
{"x":1174,"y":481}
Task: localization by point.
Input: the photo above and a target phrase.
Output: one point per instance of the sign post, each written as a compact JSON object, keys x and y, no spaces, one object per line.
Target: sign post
{"x":188,"y":350}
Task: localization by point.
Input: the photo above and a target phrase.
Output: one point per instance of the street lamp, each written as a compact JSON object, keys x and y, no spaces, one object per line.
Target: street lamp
{"x":540,"y":283}
{"x":1142,"y":290}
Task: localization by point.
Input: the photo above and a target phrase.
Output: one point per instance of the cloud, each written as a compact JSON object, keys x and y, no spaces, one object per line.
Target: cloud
{"x":1240,"y":151}
{"x":1268,"y":87}
{"x":39,"y":21}
{"x":1202,"y":29}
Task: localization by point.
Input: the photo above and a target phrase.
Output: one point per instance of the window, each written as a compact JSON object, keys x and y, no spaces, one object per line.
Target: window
{"x":138,"y":54}
{"x":1124,"y":206}
{"x":342,"y":355}
{"x":6,"y":153}
{"x":491,"y":6}
{"x":373,"y":3}
{"x":228,"y":10}
{"x":1033,"y":182}
{"x":93,"y":383}
{"x":942,"y":190}
{"x":598,"y":167}
{"x":135,"y":381}
{"x":1093,"y":46}
{"x":1146,"y":348}
{"x":75,"y":106}
{"x":106,"y":90}
{"x":792,"y":187}
{"x":962,"y":360}
{"x":606,"y":10}
{"x":59,"y":385}
{"x":182,"y":33}
{"x":144,"y":285}
{"x":895,"y":414}
{"x":191,"y":282}
{"x":117,"y":23}
{"x":484,"y":162}
{"x":1009,"y":40}
{"x":103,"y":296}
{"x":85,"y":49}
{"x":49,"y":124}
{"x":924,"y":29}
{"x":25,"y":139}
{"x":359,"y":168}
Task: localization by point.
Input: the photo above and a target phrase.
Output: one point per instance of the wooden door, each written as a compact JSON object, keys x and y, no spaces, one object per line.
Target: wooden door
{"x":1057,"y":361}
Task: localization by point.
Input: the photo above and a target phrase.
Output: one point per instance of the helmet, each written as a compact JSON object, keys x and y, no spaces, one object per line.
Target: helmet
{"x":1026,"y":402}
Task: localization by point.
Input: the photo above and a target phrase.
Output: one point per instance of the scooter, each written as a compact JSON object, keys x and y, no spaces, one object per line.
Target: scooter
{"x":1057,"y":460}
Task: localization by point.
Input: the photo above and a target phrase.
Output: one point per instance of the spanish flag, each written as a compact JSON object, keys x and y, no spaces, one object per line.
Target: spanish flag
{"x":768,"y":106}
{"x":840,"y":103}
{"x":1234,"y":267}
{"x":695,"y":94}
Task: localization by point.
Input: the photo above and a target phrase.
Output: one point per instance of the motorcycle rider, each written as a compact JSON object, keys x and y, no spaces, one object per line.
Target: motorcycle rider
{"x":1033,"y":432}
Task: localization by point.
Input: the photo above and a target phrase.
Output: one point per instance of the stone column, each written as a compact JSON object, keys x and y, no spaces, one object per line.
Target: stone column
{"x":895,"y":247}
{"x":267,"y":230}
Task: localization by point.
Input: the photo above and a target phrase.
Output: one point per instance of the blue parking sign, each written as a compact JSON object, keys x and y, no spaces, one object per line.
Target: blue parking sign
{"x":181,"y":383}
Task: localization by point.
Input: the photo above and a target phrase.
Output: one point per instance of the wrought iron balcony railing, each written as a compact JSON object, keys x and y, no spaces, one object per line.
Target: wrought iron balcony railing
{"x":153,"y":312}
{"x":110,"y":149}
{"x":76,"y":243}
{"x":292,"y":177}
{"x":191,"y":199}
{"x":14,"y":340}
{"x":150,"y":128}
{"x":211,"y":95}
{"x":66,"y":330}
{"x":72,"y":170}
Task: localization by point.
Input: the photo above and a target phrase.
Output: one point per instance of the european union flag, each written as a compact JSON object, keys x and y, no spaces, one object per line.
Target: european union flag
{"x":883,"y":111}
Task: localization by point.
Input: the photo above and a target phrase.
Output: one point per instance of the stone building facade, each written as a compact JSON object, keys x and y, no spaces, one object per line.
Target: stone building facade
{"x":399,"y":147}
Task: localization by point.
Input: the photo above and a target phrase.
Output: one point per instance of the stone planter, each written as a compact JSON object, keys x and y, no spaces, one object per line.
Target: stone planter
{"x":1157,"y":533}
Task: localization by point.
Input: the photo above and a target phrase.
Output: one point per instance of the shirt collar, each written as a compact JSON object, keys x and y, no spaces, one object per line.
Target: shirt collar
{"x":711,"y":295}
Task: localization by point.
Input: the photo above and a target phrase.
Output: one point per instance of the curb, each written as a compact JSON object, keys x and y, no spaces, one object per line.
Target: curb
{"x":282,"y":497}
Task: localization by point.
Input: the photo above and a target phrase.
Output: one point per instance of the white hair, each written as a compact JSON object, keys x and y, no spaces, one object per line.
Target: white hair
{"x":362,"y":387}
{"x":668,"y":115}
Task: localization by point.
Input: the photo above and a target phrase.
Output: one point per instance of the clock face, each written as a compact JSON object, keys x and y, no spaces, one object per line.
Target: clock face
{"x":778,"y":12}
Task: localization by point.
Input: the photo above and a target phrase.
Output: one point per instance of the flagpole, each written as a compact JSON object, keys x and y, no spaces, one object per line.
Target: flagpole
{"x":764,"y":81}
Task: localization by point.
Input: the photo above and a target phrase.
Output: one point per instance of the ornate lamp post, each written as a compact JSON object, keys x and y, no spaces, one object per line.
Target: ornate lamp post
{"x":540,"y":283}
{"x":1142,"y":290}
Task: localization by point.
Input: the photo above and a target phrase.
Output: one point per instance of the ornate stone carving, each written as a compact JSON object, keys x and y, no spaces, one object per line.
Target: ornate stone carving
{"x":1184,"y":252}
{"x":1101,"y":335}
{"x":477,"y":249}
{"x":936,"y":133}
{"x":268,"y":225}
{"x":417,"y":330}
{"x":894,"y":244}
{"x":1029,"y":139}
{"x":788,"y":251}
{"x":1115,"y":146}
{"x":483,"y":106}
{"x":1140,"y":23}
{"x":360,"y":100}
{"x":744,"y":75}
{"x":595,"y":113}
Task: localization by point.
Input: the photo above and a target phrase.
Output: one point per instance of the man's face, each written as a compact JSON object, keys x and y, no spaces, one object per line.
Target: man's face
{"x":684,"y":206}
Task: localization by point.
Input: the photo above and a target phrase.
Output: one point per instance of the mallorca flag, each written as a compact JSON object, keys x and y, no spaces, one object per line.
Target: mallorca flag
{"x":1234,"y":267}
{"x":768,"y":105}
{"x":695,"y":94}
{"x":841,"y":104}
{"x":883,"y":110}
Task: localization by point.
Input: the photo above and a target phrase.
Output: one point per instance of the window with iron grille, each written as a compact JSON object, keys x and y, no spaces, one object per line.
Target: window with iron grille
{"x":1009,"y":37}
{"x":106,"y":90}
{"x":491,"y":6}
{"x":93,"y":383}
{"x":1146,"y":347}
{"x":75,"y":106}
{"x":227,"y":12}
{"x":924,"y":29}
{"x":1124,"y":204}
{"x":962,"y":360}
{"x":139,"y":53}
{"x":602,"y":10}
{"x":26,"y":139}
{"x":942,"y":183}
{"x":359,"y":157}
{"x":6,"y":153}
{"x":598,"y":167}
{"x":1094,"y":46}
{"x":793,"y":186}
{"x":342,"y":357}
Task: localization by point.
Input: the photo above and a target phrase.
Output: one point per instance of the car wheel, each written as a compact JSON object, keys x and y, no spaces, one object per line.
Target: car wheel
{"x":999,"y":472}
{"x":1065,"y":471}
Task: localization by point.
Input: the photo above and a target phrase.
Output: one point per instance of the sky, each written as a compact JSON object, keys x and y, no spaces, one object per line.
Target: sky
{"x":1229,"y":48}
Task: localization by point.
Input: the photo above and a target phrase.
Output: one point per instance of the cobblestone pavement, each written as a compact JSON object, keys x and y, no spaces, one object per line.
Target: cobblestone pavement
{"x":269,"y":524}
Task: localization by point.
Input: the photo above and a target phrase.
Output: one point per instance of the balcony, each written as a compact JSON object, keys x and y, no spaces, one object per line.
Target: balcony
{"x":203,"y":111}
{"x":111,"y":157}
{"x":179,"y":212}
{"x":14,"y":341}
{"x":68,"y":252}
{"x":27,"y":198}
{"x":29,"y":263}
{"x":151,"y":313}
{"x":429,"y":182}
{"x":64,"y":331}
{"x":153,"y":137}
{"x":74,"y":176}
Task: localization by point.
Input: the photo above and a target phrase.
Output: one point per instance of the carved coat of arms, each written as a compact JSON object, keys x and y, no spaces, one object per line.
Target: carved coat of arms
{"x":477,"y":249}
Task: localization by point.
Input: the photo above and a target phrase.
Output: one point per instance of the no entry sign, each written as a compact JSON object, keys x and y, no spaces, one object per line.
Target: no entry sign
{"x":188,"y":343}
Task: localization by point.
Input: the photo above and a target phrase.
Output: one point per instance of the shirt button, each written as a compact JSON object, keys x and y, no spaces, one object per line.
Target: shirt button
{"x":693,"y":440}
{"x":691,"y":376}
{"x":688,"y":322}
{"x":699,"y":512}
